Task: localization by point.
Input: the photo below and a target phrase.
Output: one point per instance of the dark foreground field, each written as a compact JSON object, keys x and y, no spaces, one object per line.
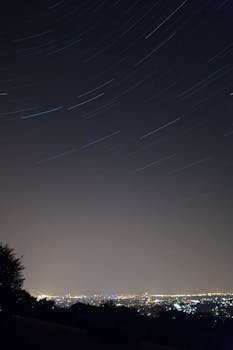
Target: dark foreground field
{"x":24,"y":332}
{"x":28,"y":333}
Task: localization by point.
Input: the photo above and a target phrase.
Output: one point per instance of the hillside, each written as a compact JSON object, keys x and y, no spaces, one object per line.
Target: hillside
{"x":28,"y":333}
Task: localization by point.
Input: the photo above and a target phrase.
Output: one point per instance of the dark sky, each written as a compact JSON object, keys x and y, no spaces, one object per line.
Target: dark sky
{"x":116,"y":132}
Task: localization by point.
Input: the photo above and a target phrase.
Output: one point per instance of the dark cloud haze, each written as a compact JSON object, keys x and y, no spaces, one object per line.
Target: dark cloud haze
{"x":116,"y":132}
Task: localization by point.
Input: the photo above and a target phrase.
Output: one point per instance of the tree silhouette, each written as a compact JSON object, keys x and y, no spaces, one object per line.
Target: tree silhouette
{"x":11,"y":278}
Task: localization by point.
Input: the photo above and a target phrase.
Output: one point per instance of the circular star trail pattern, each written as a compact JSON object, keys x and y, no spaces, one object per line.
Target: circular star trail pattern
{"x":116,"y":144}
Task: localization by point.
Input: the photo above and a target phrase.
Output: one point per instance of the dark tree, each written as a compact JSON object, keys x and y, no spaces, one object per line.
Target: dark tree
{"x":11,"y":278}
{"x":26,"y":304}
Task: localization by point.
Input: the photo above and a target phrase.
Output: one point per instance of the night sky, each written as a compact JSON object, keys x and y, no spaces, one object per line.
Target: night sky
{"x":116,"y":132}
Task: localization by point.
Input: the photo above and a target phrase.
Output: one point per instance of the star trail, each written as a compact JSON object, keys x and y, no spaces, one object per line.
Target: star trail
{"x":116,"y":144}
